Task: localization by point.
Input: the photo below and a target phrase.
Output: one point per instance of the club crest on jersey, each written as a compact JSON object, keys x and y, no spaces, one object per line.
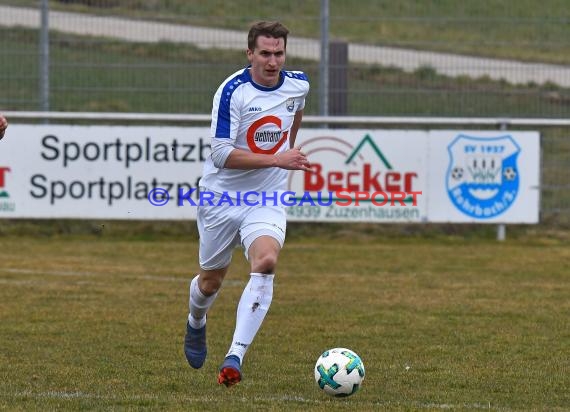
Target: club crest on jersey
{"x":290,"y":104}
{"x":483,"y":177}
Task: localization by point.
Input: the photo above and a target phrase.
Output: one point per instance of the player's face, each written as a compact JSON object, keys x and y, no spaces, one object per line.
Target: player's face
{"x":267,"y":60}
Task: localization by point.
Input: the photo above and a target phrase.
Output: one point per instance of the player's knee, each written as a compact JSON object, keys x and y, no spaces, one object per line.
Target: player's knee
{"x":265,"y":263}
{"x":210,"y":286}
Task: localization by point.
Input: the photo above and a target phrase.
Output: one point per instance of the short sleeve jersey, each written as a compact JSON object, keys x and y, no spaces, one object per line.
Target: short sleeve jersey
{"x":257,"y":119}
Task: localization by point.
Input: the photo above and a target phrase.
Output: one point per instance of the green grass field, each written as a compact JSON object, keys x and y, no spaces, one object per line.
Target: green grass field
{"x":450,"y":322}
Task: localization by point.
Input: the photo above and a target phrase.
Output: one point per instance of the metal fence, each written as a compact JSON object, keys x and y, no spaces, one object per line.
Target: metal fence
{"x":404,"y":59}
{"x":505,"y":59}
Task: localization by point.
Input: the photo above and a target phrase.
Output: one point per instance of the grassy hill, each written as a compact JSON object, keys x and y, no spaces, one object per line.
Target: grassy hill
{"x":518,"y":29}
{"x":101,"y":75}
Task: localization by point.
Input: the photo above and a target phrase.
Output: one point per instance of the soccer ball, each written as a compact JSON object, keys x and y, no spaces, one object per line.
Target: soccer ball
{"x":510,"y":173}
{"x":457,"y":173}
{"x":339,"y":372}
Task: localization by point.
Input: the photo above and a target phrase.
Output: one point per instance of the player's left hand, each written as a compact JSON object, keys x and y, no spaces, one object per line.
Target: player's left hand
{"x":294,"y":159}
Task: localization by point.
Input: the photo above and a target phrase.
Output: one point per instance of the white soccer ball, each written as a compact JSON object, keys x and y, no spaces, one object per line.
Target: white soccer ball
{"x":510,"y":173}
{"x":457,"y":173}
{"x":339,"y":372}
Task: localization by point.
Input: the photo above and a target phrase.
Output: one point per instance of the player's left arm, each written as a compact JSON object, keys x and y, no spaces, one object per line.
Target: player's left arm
{"x":295,"y":128}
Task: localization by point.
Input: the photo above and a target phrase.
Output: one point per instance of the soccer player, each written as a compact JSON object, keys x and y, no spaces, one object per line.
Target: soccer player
{"x":3,"y":126}
{"x":256,"y":114}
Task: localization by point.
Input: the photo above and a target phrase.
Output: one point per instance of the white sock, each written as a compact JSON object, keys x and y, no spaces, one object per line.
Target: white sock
{"x":252,"y":308}
{"x":198,"y":304}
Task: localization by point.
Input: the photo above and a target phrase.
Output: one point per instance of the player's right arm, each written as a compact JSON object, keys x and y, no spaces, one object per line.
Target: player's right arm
{"x":225,"y":155}
{"x":292,"y":159}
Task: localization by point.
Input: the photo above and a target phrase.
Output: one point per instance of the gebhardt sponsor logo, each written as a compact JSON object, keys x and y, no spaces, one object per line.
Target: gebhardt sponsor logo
{"x":271,"y":136}
{"x":266,"y":136}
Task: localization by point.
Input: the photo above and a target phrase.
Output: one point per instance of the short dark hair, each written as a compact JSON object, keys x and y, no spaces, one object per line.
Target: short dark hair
{"x":266,"y":28}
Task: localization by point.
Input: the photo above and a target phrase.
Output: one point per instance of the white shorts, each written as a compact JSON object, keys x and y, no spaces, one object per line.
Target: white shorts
{"x":224,"y":227}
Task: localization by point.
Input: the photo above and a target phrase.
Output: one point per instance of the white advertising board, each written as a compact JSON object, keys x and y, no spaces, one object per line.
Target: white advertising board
{"x":107,"y":172}
{"x":98,"y":171}
{"x":484,"y":177}
{"x":382,"y":172}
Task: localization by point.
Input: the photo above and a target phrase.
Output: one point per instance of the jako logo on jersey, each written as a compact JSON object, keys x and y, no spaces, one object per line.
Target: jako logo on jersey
{"x":254,"y":109}
{"x":482,"y":177}
{"x":358,"y":169}
{"x":258,"y":135}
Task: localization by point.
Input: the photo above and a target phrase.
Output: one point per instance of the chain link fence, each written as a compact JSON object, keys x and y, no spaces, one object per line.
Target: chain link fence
{"x":407,"y":58}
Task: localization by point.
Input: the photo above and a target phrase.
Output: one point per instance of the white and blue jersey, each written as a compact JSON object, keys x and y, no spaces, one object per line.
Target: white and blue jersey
{"x":257,"y":119}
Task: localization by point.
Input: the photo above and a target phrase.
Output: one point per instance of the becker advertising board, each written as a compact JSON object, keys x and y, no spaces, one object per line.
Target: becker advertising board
{"x":366,"y":175}
{"x":55,"y":171}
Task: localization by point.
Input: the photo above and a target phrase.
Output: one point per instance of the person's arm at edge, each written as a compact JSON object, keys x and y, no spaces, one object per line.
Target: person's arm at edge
{"x":3,"y":126}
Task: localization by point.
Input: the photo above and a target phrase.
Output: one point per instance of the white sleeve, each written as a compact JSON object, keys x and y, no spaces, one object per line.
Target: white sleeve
{"x":221,"y":149}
